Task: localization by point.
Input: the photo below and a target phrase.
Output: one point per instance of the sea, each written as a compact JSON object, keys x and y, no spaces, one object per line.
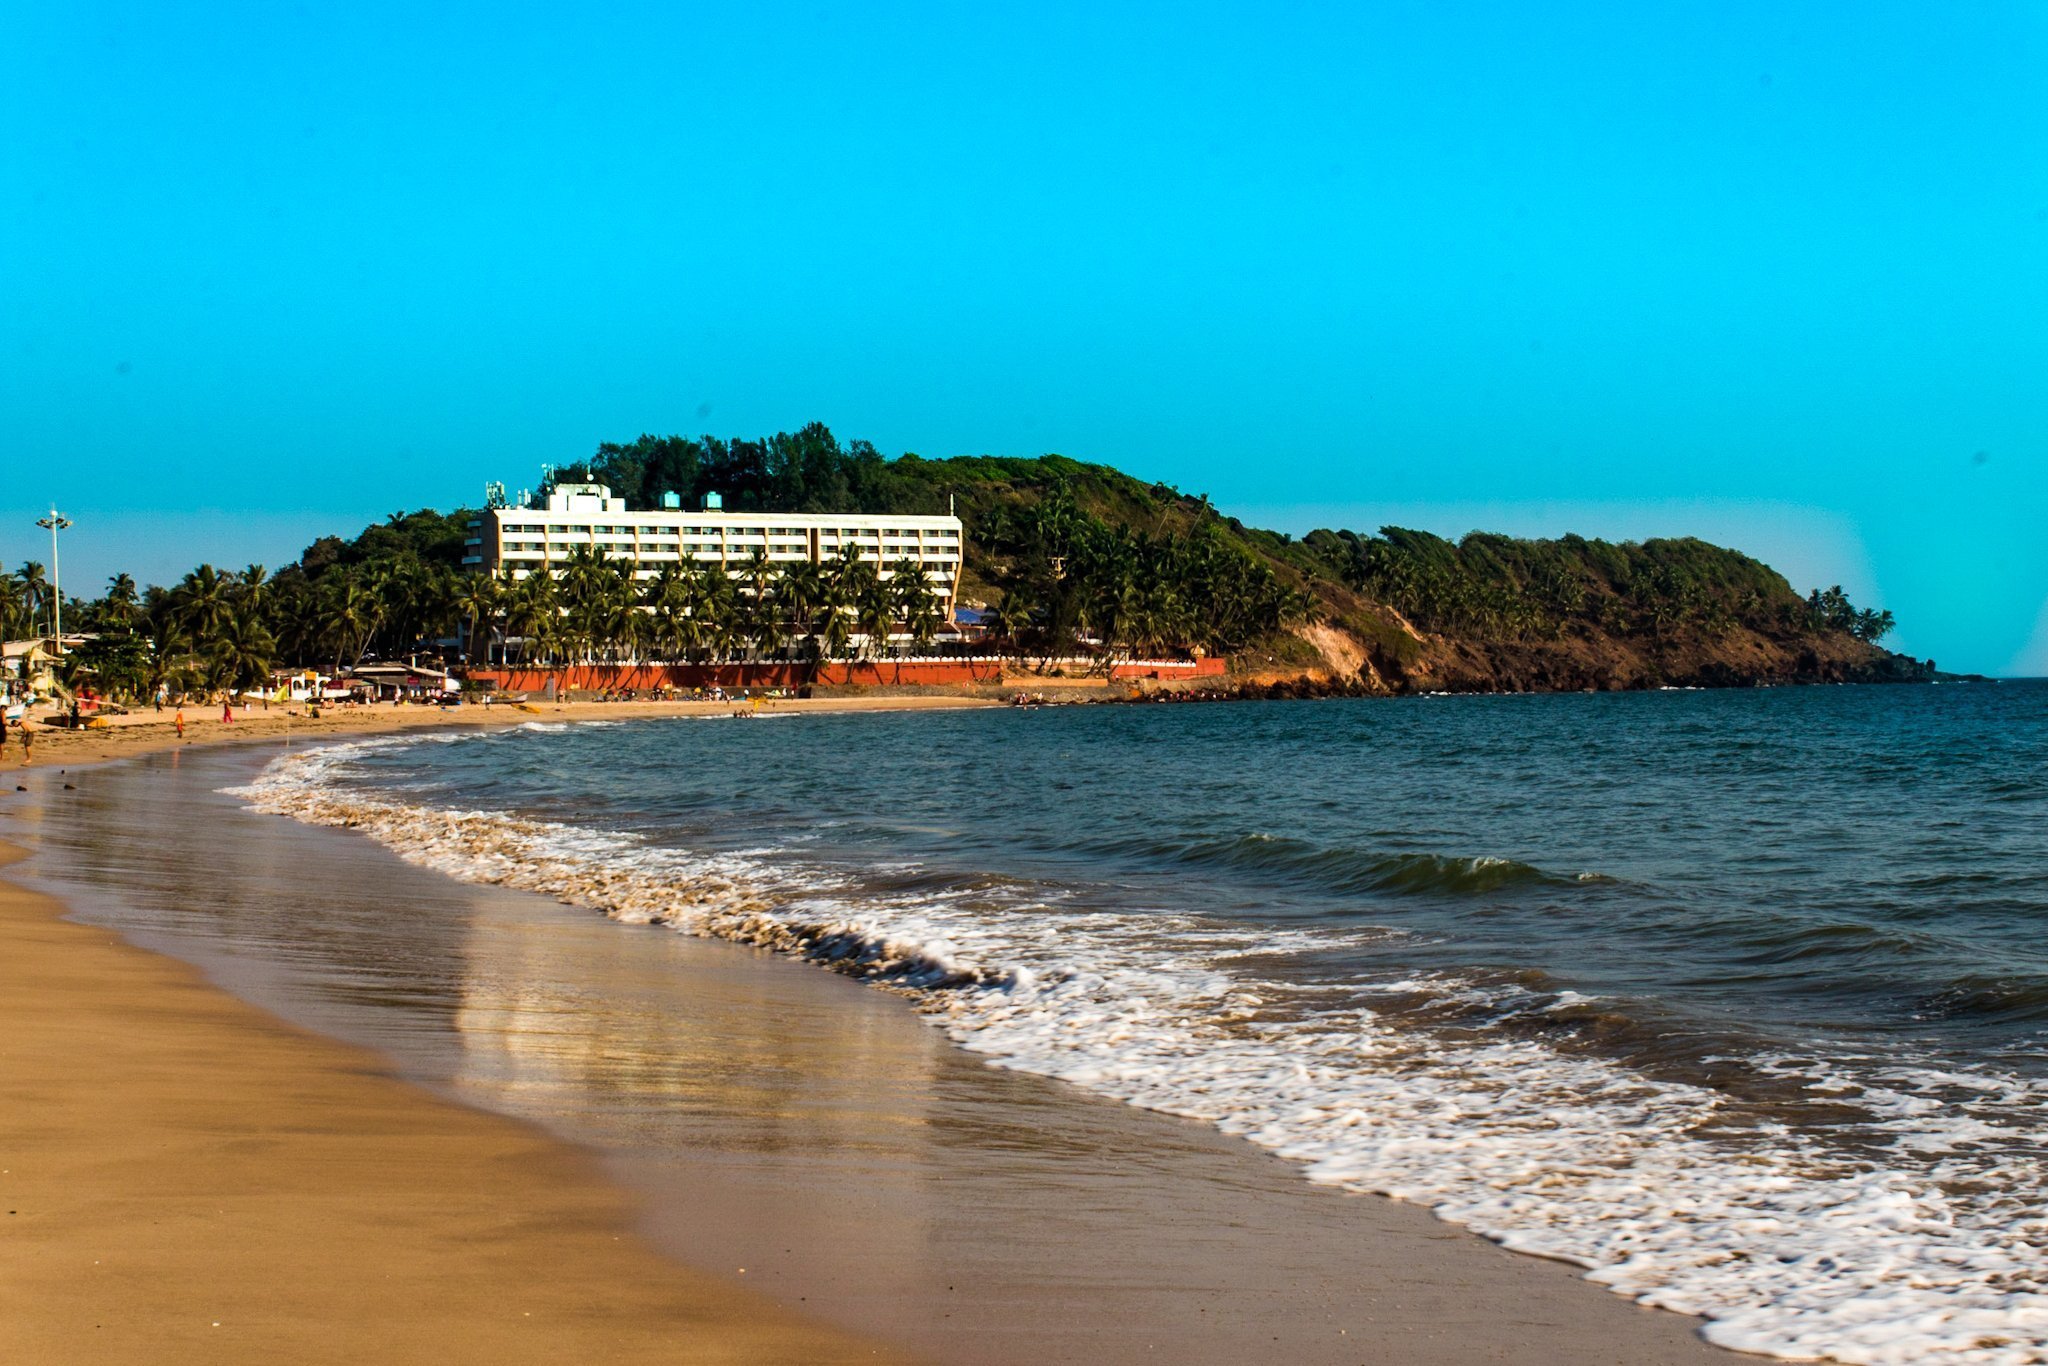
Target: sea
{"x":1736,"y":999}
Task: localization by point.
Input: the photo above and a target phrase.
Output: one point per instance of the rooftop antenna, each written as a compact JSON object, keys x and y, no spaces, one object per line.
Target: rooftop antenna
{"x":494,"y":493}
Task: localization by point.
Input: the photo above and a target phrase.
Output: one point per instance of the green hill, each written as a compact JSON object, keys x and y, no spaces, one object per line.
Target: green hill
{"x":1062,"y":550}
{"x":1066,"y":558}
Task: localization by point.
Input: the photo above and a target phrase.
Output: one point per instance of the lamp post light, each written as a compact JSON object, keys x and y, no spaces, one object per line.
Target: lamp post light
{"x":56,"y":522}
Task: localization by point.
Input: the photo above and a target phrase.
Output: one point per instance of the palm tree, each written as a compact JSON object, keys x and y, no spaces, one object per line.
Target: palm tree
{"x":254,"y":582}
{"x":588,"y":583}
{"x":802,"y":592}
{"x":349,"y":613}
{"x":1012,"y":617}
{"x":120,"y":608}
{"x":671,"y":597}
{"x":620,"y":625}
{"x":479,"y":601}
{"x":204,"y":603}
{"x":534,"y":614}
{"x":874,"y":611}
{"x":911,"y":587}
{"x":17,"y":618}
{"x":240,"y":656}
{"x":35,"y":590}
{"x":718,"y":608}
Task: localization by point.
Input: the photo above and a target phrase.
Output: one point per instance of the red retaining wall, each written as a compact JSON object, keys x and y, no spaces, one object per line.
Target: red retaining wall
{"x":874,"y":673}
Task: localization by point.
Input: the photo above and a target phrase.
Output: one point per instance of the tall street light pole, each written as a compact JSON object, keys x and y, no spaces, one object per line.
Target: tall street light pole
{"x":56,"y":522}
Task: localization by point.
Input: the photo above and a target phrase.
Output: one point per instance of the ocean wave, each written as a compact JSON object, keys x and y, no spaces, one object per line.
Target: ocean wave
{"x":1789,"y":1245}
{"x":1347,"y":871}
{"x":1990,"y":999}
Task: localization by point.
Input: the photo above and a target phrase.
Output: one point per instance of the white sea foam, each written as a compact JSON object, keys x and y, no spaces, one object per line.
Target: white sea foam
{"x":1788,"y":1246}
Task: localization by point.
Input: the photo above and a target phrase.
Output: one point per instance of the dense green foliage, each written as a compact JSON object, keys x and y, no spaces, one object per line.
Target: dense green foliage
{"x":1068,"y":577}
{"x":1500,"y":587}
{"x":803,"y":471}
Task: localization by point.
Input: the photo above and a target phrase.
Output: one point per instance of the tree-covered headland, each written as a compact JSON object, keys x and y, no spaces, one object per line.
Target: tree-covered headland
{"x":1065,"y":559}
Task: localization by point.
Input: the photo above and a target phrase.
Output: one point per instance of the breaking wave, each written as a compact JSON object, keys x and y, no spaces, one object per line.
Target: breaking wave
{"x":1347,"y":871}
{"x":1923,"y":1244}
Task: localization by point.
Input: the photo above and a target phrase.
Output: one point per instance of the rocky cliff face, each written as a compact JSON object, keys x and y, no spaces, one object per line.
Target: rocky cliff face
{"x":1593,"y":661}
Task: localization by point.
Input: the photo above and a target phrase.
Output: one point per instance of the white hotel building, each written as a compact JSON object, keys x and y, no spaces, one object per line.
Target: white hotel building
{"x":528,"y":540}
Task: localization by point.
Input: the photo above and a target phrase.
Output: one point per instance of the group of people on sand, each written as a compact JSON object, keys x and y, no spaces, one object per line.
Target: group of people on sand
{"x":714,"y":693}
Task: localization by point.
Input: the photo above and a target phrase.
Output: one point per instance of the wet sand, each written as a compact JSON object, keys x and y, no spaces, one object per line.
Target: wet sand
{"x":769,"y":1116}
{"x":187,"y":1179}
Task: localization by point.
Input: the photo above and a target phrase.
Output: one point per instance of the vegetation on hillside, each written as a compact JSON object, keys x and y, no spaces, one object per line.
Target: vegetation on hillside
{"x":1064,"y":557}
{"x":1501,"y":587}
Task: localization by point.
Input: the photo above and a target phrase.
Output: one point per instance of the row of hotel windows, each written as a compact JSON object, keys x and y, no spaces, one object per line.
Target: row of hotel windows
{"x":848,"y":533}
{"x":646,"y":550}
{"x":798,"y":543}
{"x":941,"y":585}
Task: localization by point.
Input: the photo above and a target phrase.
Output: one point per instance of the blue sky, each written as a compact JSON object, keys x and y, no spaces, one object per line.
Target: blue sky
{"x":1770,"y":274}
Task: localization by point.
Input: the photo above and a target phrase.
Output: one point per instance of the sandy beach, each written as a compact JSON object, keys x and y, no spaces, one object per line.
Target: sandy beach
{"x":146,"y":730}
{"x":178,"y":1157}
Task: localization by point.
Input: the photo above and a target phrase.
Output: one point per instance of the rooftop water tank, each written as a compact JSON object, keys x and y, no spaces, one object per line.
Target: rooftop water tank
{"x":713,"y":502}
{"x":671,"y":502}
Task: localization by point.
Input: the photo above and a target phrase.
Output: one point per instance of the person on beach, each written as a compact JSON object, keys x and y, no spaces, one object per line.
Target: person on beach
{"x":179,"y":722}
{"x":28,"y":745}
{"x":226,"y":712}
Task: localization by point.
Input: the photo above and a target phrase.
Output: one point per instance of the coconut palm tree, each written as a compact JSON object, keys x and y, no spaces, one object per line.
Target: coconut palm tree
{"x":621,"y":628}
{"x":204,"y":603}
{"x":121,"y":608}
{"x":349,"y":614}
{"x":16,"y":617}
{"x":802,"y":592}
{"x":35,"y":592}
{"x":479,"y":601}
{"x":534,"y":614}
{"x":1011,"y":618}
{"x":720,"y":608}
{"x":874,"y":611}
{"x":589,"y":581}
{"x":671,"y":601}
{"x":915,"y":602}
{"x":240,"y":656}
{"x":253,"y":585}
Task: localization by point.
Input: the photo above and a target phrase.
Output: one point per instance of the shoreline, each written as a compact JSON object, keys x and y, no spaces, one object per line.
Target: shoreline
{"x":145,"y":731}
{"x":1420,"y":1269}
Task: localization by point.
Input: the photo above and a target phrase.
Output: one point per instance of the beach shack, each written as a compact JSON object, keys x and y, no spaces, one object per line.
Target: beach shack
{"x":403,"y":682}
{"x":301,"y":685}
{"x":32,"y":664}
